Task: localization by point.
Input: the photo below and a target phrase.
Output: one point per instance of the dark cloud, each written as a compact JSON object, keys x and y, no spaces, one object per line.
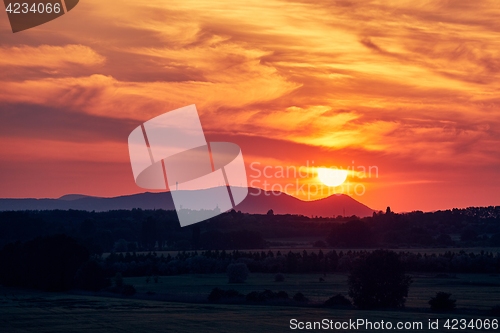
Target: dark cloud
{"x":46,"y":123}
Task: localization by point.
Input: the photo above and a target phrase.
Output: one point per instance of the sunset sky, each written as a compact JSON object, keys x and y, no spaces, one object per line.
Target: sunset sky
{"x":409,"y":87}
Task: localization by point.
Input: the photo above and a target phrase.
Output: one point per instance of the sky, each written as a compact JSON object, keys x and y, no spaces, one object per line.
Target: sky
{"x":408,"y":90}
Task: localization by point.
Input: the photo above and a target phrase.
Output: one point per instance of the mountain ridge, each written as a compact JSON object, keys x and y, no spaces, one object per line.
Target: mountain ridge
{"x":257,"y":202}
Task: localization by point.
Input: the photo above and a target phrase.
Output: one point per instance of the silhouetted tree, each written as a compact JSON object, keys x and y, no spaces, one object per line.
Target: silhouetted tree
{"x":128,"y":290}
{"x":338,"y":301}
{"x":299,"y":297}
{"x":442,"y":302}
{"x":351,"y":234}
{"x":379,"y":281}
{"x":46,"y":263}
{"x":237,"y":273}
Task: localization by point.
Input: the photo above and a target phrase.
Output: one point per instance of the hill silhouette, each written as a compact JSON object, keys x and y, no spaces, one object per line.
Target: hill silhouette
{"x":257,"y":202}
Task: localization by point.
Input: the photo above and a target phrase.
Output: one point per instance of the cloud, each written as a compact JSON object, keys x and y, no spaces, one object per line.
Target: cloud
{"x":49,"y":56}
{"x":36,"y":122}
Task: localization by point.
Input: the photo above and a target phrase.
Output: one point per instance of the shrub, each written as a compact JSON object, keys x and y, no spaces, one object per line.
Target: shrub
{"x":266,"y":295}
{"x":218,"y":294}
{"x":128,"y":290}
{"x":442,"y":302}
{"x":299,"y":297}
{"x":231,"y":293}
{"x":282,"y":295}
{"x":338,"y":301}
{"x":254,"y":296}
{"x":379,"y":281}
{"x":237,"y":273}
{"x":279,"y":277}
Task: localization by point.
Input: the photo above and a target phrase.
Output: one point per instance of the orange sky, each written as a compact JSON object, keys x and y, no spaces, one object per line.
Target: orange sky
{"x":409,"y":87}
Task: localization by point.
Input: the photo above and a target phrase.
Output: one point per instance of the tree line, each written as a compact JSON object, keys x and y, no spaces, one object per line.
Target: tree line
{"x":147,"y":230}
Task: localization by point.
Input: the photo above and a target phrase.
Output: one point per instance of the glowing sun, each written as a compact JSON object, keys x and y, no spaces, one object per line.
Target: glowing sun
{"x":332,"y":177}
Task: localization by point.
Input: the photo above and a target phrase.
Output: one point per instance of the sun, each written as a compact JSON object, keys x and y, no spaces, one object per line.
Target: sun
{"x":331,"y":177}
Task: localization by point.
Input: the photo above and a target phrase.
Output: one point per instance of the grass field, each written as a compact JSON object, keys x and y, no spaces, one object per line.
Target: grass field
{"x":473,"y":291}
{"x":32,"y":311}
{"x":69,"y":313}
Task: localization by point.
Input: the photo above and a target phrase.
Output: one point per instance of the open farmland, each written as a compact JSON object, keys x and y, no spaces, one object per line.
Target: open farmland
{"x":25,"y":311}
{"x":472,"y":291}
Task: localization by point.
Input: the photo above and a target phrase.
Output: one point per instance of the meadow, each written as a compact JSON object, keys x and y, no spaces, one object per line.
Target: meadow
{"x":474,"y":292}
{"x":179,"y":304}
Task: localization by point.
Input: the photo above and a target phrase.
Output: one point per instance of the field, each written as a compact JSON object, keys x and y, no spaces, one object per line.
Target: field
{"x":26,"y":311}
{"x":310,"y":249}
{"x":473,"y":291}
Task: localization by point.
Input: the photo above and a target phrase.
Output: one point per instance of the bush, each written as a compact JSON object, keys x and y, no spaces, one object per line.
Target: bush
{"x":254,"y":296}
{"x":379,"y":281}
{"x":442,"y":302}
{"x":218,"y":294}
{"x":237,"y":273}
{"x":128,"y":290}
{"x":279,"y":277}
{"x":266,"y":295}
{"x":282,"y":295}
{"x":338,"y":301}
{"x":299,"y":297}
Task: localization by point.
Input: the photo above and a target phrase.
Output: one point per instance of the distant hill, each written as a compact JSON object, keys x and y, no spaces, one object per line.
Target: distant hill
{"x":70,"y":197}
{"x":257,"y":202}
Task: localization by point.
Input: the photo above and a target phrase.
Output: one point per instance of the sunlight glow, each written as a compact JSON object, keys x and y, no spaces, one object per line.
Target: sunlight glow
{"x":332,"y":177}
